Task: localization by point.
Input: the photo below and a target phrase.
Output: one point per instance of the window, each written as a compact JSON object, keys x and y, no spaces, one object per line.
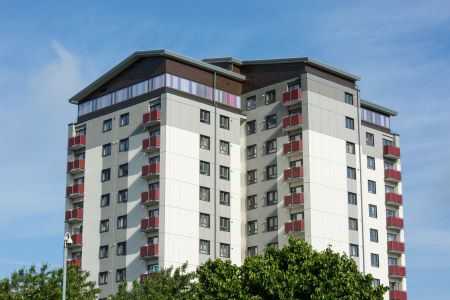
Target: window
{"x":390,"y":213}
{"x":106,"y":150}
{"x":204,"y":116}
{"x":224,"y":122}
{"x":251,"y":177}
{"x":102,"y":278}
{"x":121,"y":275}
{"x":391,"y":237}
{"x":271,"y":121}
{"x":297,"y":216}
{"x":351,"y":173}
{"x":251,"y":127}
{"x":351,"y":197}
{"x":252,"y":227}
{"x":251,"y":251}
{"x":354,"y":250}
{"x":371,"y":162}
{"x":251,"y":202}
{"x":387,"y":142}
{"x":270,"y":97}
{"x":389,"y":189}
{"x":103,"y":251}
{"x":224,"y":250}
{"x":104,"y":200}
{"x":251,"y":151}
{"x":272,"y":198}
{"x":204,"y":220}
{"x":349,"y":98}
{"x":79,"y":180}
{"x":204,"y":193}
{"x":122,"y":222}
{"x":372,"y":186}
{"x":107,"y":125}
{"x":271,"y":172}
{"x":376,"y":283}
{"x":388,"y":166}
{"x":373,"y":211}
{"x":224,"y":224}
{"x":104,"y":225}
{"x":373,"y":117}
{"x":124,"y":119}
{"x":394,"y":286}
{"x":349,"y":123}
{"x":204,"y":168}
{"x":123,"y":170}
{"x":392,"y":261}
{"x":224,"y":173}
{"x":204,"y":247}
{"x":123,"y":145}
{"x":122,"y":196}
{"x":350,"y":148}
{"x":79,"y":154}
{"x":80,"y":131}
{"x":370,"y":140}
{"x":121,"y":248}
{"x":224,"y":198}
{"x":272,"y":223}
{"x":353,"y":224}
{"x":271,"y":146}
{"x":373,"y":235}
{"x":204,"y":142}
{"x":251,"y":103}
{"x":374,"y":260}
{"x":293,"y":86}
{"x":224,"y":147}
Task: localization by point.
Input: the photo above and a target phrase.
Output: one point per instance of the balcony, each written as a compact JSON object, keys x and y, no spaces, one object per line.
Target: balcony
{"x":394,"y":199}
{"x":74,"y":215}
{"x":396,"y":247}
{"x":293,"y":174}
{"x":392,"y":175}
{"x":292,"y":97}
{"x":150,"y":170}
{"x":392,"y":152}
{"x":150,"y":224}
{"x":152,"y":118}
{"x":151,"y":197}
{"x":75,"y":191}
{"x":74,"y":262}
{"x":397,"y":295}
{"x":397,"y":271}
{"x":151,"y":144}
{"x":75,"y":166}
{"x":293,"y":147}
{"x":77,"y":142}
{"x":77,"y":240}
{"x":292,"y":122}
{"x":149,"y":251}
{"x":294,"y":200}
{"x":294,"y":227}
{"x":146,"y":276}
{"x":394,"y":223}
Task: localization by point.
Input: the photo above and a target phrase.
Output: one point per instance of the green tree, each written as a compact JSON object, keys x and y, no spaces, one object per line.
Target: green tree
{"x":46,"y":284}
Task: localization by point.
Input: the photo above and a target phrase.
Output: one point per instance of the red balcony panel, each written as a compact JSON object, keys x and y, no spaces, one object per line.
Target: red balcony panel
{"x":74,"y":262}
{"x":296,"y":94}
{"x":149,"y":250}
{"x":392,"y":175}
{"x":287,"y":96}
{"x":397,"y":295}
{"x":73,"y":215}
{"x":151,"y":117}
{"x":294,"y":226}
{"x":152,"y":196}
{"x":292,"y":147}
{"x":397,"y":271}
{"x":294,"y":199}
{"x":292,"y":121}
{"x":76,"y":190}
{"x":394,"y":246}
{"x":394,"y":199}
{"x":293,"y":173}
{"x":77,"y":142}
{"x":153,"y":143}
{"x":151,"y":223}
{"x":391,"y":151}
{"x":394,"y":222}
{"x":77,"y":239}
{"x":292,"y":96}
{"x":150,"y":170}
{"x":146,"y":276}
{"x":76,"y":165}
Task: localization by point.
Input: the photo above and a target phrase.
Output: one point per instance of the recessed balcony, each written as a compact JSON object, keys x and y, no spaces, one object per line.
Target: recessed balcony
{"x":152,"y":118}
{"x":293,"y":174}
{"x":294,"y":227}
{"x":397,"y":295}
{"x":292,"y":97}
{"x":392,"y":152}
{"x":74,"y":262}
{"x":394,"y":199}
{"x":150,"y":170}
{"x":397,"y":271}
{"x":77,"y":240}
{"x":293,"y":148}
{"x":150,"y":224}
{"x":75,"y":191}
{"x":77,"y":142}
{"x":294,"y":200}
{"x":150,"y":197}
{"x":395,"y":247}
{"x":151,"y":144}
{"x":392,"y":175}
{"x":75,"y":215}
{"x":292,"y":122}
{"x":75,"y":166}
{"x":149,"y":251}
{"x":394,"y":223}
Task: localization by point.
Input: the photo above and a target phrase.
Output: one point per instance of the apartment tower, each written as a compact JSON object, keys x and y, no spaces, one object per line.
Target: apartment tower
{"x":175,"y":160}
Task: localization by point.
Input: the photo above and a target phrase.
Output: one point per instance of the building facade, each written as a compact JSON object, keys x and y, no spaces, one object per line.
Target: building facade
{"x":175,"y":160}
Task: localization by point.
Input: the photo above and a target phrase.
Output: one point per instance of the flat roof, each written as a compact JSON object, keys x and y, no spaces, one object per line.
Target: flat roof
{"x":378,"y":108}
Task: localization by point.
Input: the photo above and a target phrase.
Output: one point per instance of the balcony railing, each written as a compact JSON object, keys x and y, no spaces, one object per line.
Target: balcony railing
{"x":293,"y":147}
{"x":392,"y":175}
{"x":149,"y":251}
{"x":146,"y":276}
{"x":150,"y":170}
{"x":75,"y":191}
{"x":397,"y":271}
{"x":394,"y":222}
{"x":77,"y":240}
{"x":152,"y":118}
{"x":394,"y":199}
{"x":151,"y":144}
{"x":150,"y":197}
{"x":293,"y":174}
{"x":294,"y":226}
{"x":74,"y":215}
{"x":396,"y":247}
{"x":75,"y":166}
{"x":77,"y":142}
{"x":292,"y":97}
{"x":292,"y":122}
{"x":392,"y":152}
{"x":74,"y":262}
{"x":150,"y":224}
{"x":294,"y":200}
{"x":397,"y":295}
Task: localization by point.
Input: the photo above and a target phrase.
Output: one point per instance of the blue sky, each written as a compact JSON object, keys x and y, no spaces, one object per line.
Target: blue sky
{"x":50,"y":50}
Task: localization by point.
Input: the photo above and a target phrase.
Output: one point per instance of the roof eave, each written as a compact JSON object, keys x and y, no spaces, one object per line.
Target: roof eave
{"x":379,"y":108}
